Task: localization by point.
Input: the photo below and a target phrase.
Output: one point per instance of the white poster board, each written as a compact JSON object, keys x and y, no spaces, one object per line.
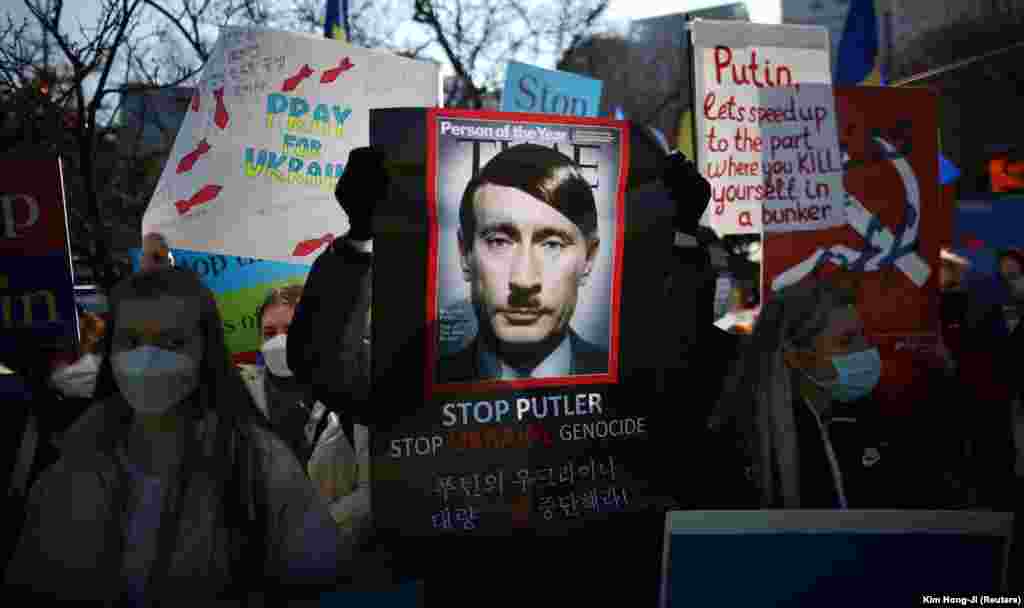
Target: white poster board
{"x":254,"y":165}
{"x":766,"y":127}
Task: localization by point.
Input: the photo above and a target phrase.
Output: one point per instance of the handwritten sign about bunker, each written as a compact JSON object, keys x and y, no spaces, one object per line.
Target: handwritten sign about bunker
{"x":517,"y":423}
{"x":766,"y":127}
{"x":265,"y":138}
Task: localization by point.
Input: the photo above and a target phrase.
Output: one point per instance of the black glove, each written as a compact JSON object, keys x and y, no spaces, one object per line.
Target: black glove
{"x":362,"y":186}
{"x":688,"y":188}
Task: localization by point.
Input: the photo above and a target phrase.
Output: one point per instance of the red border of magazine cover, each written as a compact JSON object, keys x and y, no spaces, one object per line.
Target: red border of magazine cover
{"x":433,"y":387}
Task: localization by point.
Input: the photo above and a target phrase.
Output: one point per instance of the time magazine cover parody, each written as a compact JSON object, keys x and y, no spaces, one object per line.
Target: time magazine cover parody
{"x":523,"y":267}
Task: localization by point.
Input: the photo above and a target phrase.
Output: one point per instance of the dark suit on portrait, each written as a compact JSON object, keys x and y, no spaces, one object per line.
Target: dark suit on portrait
{"x":462,"y":366}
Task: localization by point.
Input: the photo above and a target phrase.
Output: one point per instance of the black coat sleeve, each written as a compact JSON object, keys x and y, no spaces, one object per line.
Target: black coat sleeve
{"x":300,"y":333}
{"x":325,"y":342}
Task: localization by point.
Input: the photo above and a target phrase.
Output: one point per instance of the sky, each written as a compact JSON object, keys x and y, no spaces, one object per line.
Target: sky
{"x":620,"y":12}
{"x":761,"y":11}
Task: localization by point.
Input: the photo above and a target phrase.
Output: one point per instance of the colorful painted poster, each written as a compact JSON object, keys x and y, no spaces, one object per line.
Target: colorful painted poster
{"x":267,"y":135}
{"x":240,"y":285}
{"x":895,"y":226}
{"x":36,"y":282}
{"x":766,"y":127}
{"x":514,"y":231}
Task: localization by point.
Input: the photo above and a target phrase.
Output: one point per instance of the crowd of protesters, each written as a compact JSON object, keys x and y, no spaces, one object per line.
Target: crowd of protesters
{"x":148,"y":465}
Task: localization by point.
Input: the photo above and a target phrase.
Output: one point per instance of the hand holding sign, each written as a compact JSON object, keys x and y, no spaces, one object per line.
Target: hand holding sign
{"x":364,"y":182}
{"x":688,"y":188}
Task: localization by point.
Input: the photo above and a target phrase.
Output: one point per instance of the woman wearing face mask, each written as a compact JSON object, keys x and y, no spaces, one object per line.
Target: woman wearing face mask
{"x":1011,"y":271}
{"x":798,"y":402}
{"x":336,"y":454}
{"x":992,"y":341}
{"x":75,"y":382}
{"x":186,"y":496}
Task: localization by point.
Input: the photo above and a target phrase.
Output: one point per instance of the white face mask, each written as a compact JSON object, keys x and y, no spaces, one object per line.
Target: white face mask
{"x":275,"y":355}
{"x":77,"y":380}
{"x":154,"y":380}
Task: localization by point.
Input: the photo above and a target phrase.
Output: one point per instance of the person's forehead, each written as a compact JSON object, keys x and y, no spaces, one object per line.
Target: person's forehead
{"x":277,"y":314}
{"x":160,"y":313}
{"x":503,"y":204}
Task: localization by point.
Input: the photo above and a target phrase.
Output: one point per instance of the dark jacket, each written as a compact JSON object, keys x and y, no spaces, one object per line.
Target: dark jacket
{"x":19,"y":423}
{"x":328,"y":339}
{"x":881,"y":465}
{"x":587,"y":358}
{"x":88,"y":484}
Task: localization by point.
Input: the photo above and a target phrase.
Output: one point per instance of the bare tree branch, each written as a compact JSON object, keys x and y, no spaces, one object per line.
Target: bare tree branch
{"x":477,"y":37}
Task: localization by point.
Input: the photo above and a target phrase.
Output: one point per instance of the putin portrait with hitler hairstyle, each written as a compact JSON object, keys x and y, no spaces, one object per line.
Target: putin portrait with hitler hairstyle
{"x":528,"y":240}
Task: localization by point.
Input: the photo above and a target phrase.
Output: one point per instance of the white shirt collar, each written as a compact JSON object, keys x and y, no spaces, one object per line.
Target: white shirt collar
{"x":555,"y":365}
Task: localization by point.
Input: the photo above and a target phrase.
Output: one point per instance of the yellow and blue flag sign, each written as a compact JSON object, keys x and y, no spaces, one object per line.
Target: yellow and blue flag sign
{"x":336,"y":20}
{"x":858,"y":61}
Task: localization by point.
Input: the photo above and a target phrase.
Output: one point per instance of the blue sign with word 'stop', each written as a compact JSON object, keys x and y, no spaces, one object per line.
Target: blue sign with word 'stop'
{"x":532,"y":89}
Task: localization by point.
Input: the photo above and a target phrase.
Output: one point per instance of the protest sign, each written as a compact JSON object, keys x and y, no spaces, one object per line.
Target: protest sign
{"x":541,"y":433}
{"x":240,"y":285}
{"x":766,"y":127}
{"x":532,"y":89}
{"x":267,"y":135}
{"x":37,"y":292}
{"x":895,"y":227}
{"x":985,"y":225}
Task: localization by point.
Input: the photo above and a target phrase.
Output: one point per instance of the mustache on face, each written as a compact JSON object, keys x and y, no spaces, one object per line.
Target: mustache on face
{"x":526,"y":301}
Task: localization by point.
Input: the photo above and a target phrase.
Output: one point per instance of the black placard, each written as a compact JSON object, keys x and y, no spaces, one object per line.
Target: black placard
{"x":456,"y":451}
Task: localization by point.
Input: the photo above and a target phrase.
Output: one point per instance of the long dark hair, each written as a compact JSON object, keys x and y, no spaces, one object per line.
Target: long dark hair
{"x":757,"y":398}
{"x":220,"y":386}
{"x":221,"y":391}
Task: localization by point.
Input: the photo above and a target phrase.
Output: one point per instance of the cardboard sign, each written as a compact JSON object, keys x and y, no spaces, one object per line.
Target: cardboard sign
{"x":893,"y":208}
{"x":521,"y":418}
{"x":811,"y":557}
{"x":896,"y":220}
{"x":766,"y":127}
{"x":240,"y":285}
{"x":37,"y":292}
{"x":532,"y":89}
{"x":267,"y":135}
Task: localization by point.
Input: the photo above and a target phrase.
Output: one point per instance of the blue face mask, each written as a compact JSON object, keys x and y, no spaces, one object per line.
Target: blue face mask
{"x":859,"y":374}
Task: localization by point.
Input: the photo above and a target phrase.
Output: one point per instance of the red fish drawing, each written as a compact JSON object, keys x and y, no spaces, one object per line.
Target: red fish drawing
{"x":305,"y":248}
{"x":292,"y":83}
{"x":220,"y":117}
{"x":205,"y":194}
{"x":195,"y":102}
{"x":189,"y":160}
{"x":332,"y":74}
